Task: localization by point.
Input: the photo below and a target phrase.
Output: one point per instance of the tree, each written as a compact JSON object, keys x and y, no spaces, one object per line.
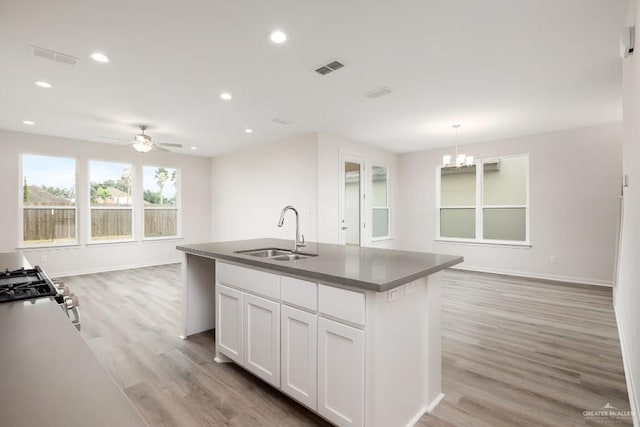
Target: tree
{"x":152,"y":197}
{"x":126,"y":180}
{"x":25,"y":191}
{"x":99,"y":193}
{"x":65,"y":193}
{"x":161,"y":177}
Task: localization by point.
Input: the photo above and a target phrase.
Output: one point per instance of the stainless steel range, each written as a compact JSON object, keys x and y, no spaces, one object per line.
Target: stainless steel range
{"x":31,"y":284}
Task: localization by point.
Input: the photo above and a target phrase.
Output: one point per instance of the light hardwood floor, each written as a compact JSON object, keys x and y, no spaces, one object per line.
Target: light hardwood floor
{"x":515,"y":353}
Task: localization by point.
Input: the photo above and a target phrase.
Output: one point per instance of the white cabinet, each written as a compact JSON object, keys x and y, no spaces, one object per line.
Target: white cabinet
{"x":229,"y":328}
{"x":340,"y":373}
{"x":299,"y":335}
{"x":262,"y":338}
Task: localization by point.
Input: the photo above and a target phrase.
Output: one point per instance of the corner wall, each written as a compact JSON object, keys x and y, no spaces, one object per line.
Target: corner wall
{"x":251,"y":186}
{"x":83,"y":258}
{"x":574,"y":206}
{"x":626,"y":292}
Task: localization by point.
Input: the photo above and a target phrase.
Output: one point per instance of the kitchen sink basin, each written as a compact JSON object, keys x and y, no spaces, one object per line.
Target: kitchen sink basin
{"x":265,"y":253}
{"x":289,"y":257}
{"x":275,"y":254}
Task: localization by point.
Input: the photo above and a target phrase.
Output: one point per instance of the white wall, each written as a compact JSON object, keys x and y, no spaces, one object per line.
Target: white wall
{"x":627,"y":289}
{"x":574,"y":191}
{"x":83,"y":258}
{"x":250,"y":187}
{"x":329,"y":153}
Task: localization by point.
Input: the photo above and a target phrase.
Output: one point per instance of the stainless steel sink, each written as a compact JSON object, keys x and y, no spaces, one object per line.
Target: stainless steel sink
{"x":275,"y":254}
{"x":265,"y":253}
{"x":289,"y":257}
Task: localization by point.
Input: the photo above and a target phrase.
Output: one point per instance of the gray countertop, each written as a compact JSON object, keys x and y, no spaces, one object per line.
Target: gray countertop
{"x":365,"y":268}
{"x":49,"y":375}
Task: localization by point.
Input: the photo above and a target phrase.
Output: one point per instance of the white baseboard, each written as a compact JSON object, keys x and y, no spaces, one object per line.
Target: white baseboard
{"x":528,"y":275}
{"x":417,"y":417}
{"x":435,"y":402}
{"x":113,"y":268}
{"x":631,"y":390}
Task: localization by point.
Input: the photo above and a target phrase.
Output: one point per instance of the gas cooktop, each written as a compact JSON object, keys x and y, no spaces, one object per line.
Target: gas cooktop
{"x":25,"y":283}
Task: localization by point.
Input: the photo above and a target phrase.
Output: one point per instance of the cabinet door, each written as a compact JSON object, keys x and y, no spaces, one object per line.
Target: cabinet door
{"x":340,"y":373}
{"x":299,"y":355}
{"x":262,"y":338}
{"x":229,"y":322}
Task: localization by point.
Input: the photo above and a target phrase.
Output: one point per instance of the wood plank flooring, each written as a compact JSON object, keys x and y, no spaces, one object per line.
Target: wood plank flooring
{"x":516,"y":352}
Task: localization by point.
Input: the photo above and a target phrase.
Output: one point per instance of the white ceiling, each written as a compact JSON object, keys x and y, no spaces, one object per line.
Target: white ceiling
{"x":500,"y":68}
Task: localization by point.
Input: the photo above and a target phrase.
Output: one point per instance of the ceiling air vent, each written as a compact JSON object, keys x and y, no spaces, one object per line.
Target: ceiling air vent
{"x":376,"y":93}
{"x":329,"y":68}
{"x":282,"y":121}
{"x":52,"y":55}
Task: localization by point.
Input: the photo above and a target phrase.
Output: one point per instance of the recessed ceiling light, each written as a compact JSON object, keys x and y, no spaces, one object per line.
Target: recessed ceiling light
{"x":100,"y":57}
{"x":247,"y":130}
{"x":43,"y":84}
{"x":194,"y":148}
{"x":28,"y":122}
{"x":278,"y":37}
{"x":226,"y":96}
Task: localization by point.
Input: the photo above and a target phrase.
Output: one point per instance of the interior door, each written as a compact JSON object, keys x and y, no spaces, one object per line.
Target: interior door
{"x":352,"y":200}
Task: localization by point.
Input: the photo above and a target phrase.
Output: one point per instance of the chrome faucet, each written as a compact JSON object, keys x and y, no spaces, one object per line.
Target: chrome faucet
{"x":299,"y":242}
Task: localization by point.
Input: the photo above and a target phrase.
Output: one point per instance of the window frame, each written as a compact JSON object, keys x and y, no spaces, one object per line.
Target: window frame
{"x":22,"y":207}
{"x":388,"y":203}
{"x":177,"y":207}
{"x":480,"y":206}
{"x":90,"y":240}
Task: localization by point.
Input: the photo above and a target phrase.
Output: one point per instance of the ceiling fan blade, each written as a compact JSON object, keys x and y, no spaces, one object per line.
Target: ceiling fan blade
{"x":158,"y":148}
{"x":169,"y":144}
{"x":115,"y":139}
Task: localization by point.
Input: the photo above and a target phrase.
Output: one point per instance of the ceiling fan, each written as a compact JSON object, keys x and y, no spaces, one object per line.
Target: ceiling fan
{"x":144,"y":143}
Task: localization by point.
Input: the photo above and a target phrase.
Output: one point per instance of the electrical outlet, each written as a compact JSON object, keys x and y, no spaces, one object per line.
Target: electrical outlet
{"x":553,"y":259}
{"x":409,"y":288}
{"x":394,"y":294}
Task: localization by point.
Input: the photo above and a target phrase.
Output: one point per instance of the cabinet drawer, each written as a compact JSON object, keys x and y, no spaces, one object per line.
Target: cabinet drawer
{"x":255,"y":281}
{"x":341,"y":304}
{"x":298,"y":292}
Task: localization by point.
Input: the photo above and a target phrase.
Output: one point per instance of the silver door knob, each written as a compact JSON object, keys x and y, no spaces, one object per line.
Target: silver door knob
{"x":344,"y":227}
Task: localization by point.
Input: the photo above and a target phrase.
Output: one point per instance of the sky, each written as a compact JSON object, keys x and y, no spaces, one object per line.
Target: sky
{"x":50,"y":171}
{"x":60,"y":172}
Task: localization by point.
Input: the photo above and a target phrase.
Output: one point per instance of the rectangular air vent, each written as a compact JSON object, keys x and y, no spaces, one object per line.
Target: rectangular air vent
{"x":329,"y":68}
{"x":52,"y":55}
{"x":282,"y":121}
{"x":376,"y":93}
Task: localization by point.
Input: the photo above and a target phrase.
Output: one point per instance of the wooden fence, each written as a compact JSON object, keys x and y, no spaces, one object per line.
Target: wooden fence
{"x":53,"y":225}
{"x":59,"y":225}
{"x":160,"y":222}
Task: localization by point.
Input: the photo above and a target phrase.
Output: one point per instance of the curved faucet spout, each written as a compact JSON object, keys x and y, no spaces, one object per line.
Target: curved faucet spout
{"x":298,"y":240}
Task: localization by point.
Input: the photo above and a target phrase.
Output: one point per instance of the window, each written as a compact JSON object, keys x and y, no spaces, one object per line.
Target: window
{"x":111,"y":209}
{"x":48,"y":200}
{"x":380,"y":203}
{"x":160,"y":202}
{"x":485,"y":202}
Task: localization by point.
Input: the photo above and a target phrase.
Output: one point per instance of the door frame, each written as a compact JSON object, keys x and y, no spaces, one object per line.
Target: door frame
{"x":352,"y":158}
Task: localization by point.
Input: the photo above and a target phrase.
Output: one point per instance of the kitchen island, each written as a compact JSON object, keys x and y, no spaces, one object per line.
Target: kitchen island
{"x":352,"y":333}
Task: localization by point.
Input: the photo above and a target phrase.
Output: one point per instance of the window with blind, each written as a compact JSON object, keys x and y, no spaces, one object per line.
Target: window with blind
{"x":485,"y":202}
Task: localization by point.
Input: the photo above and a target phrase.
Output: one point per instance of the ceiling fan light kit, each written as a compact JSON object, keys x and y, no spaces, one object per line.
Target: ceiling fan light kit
{"x":141,"y":147}
{"x":143,"y":143}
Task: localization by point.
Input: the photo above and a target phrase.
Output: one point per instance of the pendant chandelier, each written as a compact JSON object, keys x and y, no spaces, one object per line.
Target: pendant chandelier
{"x":459,"y":159}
